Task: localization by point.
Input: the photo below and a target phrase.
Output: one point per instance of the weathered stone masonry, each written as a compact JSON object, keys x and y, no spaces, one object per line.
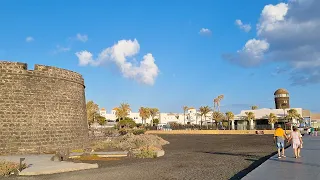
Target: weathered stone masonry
{"x":41,"y":110}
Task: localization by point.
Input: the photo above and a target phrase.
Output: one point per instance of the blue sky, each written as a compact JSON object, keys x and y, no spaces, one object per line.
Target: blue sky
{"x":190,"y":68}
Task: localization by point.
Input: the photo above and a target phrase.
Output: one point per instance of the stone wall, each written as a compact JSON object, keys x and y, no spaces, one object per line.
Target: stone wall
{"x":282,"y":102}
{"x":41,"y":110}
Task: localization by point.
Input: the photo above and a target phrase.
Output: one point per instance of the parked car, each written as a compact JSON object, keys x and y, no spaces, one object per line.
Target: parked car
{"x":163,"y":127}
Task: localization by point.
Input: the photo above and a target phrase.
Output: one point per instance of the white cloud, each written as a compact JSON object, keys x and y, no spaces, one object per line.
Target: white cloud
{"x":83,"y":38}
{"x":145,"y":72}
{"x":251,"y":54}
{"x":204,"y":31}
{"x":292,"y":31}
{"x":85,"y":58}
{"x":29,"y":39}
{"x":245,"y":27}
{"x":270,"y":17}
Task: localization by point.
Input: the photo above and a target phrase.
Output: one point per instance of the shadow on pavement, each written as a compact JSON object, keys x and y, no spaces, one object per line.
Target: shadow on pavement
{"x":295,"y":162}
{"x":254,"y":165}
{"x":311,"y":149}
{"x":233,"y":154}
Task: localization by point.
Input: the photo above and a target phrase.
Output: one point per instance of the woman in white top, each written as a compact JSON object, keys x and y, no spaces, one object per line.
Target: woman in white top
{"x":295,"y":136}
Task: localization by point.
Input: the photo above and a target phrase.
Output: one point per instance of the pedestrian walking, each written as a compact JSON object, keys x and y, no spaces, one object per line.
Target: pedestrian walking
{"x":297,"y":142}
{"x":309,"y":131}
{"x":279,"y":137}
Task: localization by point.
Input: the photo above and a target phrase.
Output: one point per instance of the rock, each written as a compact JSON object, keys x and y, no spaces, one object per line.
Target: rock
{"x":56,"y":158}
{"x":160,"y":153}
{"x":61,"y":155}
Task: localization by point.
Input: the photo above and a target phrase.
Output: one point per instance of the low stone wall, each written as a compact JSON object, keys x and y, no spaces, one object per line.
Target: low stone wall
{"x":210,"y":132}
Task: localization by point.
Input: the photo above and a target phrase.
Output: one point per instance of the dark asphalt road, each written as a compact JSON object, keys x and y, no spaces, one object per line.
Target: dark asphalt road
{"x":187,"y":157}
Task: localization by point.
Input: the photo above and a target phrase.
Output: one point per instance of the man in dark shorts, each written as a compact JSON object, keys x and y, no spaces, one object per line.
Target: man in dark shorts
{"x":279,"y":137}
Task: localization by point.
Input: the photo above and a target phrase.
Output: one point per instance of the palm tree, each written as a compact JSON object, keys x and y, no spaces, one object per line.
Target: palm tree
{"x":204,"y":111}
{"x":144,"y":113}
{"x":220,"y":97}
{"x":218,"y":117}
{"x":153,"y":112}
{"x":254,"y":107}
{"x":272,"y":118}
{"x":201,"y":114}
{"x":229,"y":116}
{"x":185,"y":108}
{"x":293,"y":114}
{"x":123,"y":111}
{"x":283,"y":107}
{"x":215,"y":103}
{"x":250,"y":117}
{"x":92,"y":110}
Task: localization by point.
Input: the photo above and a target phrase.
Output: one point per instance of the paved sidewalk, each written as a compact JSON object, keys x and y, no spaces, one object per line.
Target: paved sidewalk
{"x":41,"y":164}
{"x":306,"y":167}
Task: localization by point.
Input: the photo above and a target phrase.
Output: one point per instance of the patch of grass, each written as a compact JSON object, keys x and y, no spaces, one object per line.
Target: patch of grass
{"x":95,"y":157}
{"x":138,"y":131}
{"x":146,"y":153}
{"x":77,"y":151}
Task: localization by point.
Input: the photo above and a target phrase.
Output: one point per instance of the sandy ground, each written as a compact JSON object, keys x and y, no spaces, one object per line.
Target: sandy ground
{"x":187,"y":157}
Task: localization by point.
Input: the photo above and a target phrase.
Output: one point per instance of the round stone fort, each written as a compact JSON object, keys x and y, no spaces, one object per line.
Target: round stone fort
{"x":41,"y":110}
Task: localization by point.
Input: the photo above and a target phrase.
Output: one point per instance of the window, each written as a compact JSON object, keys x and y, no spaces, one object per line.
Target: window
{"x":281,"y":95}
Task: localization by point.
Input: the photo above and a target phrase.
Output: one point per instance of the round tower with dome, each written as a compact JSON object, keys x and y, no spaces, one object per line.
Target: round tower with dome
{"x":281,"y":99}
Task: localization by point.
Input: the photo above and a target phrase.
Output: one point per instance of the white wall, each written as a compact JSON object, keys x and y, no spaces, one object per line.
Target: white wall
{"x":264,"y":112}
{"x":190,"y":116}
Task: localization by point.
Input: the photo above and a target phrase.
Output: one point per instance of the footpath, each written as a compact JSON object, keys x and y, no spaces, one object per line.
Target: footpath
{"x":41,"y":164}
{"x":306,"y":167}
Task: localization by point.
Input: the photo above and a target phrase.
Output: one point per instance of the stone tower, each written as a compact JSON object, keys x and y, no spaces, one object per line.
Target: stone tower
{"x":281,"y":99}
{"x":41,"y":110}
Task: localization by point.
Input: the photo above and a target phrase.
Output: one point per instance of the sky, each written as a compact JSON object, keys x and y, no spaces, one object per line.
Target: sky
{"x":173,"y":53}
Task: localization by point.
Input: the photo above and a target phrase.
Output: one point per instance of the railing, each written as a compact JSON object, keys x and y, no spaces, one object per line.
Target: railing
{"x":242,"y":127}
{"x":263,"y":127}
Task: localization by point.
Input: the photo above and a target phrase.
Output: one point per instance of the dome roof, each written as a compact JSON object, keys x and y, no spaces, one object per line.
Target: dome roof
{"x":281,"y":91}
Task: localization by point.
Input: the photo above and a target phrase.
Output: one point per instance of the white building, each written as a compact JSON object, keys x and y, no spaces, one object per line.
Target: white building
{"x":191,"y":117}
{"x":112,"y":115}
{"x":261,"y":117}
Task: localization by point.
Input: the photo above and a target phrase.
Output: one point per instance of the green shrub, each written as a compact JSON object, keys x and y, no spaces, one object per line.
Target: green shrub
{"x":7,"y":168}
{"x":138,"y":131}
{"x":100,"y":119}
{"x":146,"y":153}
{"x":156,"y":121}
{"x":127,"y":123}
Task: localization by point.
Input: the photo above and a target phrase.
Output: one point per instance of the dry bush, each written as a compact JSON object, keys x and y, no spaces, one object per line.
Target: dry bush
{"x":130,"y":141}
{"x":111,"y":132}
{"x":7,"y":168}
